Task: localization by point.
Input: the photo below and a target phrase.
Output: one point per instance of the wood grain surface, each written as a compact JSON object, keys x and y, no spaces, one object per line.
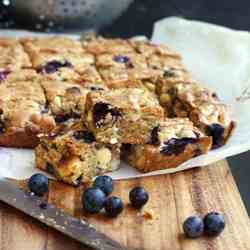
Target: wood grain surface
{"x":172,"y":199}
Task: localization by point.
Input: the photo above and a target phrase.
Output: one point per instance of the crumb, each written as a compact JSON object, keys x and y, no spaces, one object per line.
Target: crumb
{"x":147,"y":214}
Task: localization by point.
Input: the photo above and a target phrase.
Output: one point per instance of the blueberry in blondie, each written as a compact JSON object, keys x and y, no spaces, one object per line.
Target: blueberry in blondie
{"x":58,"y":57}
{"x":204,"y":108}
{"x":174,"y":141}
{"x":65,"y":100}
{"x":73,"y":155}
{"x":122,"y":115}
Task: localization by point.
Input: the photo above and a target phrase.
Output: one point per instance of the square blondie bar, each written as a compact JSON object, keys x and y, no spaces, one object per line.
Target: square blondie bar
{"x":122,"y":115}
{"x":204,"y":108}
{"x":174,"y":141}
{"x":23,"y":111}
{"x":60,"y":58}
{"x":73,"y":155}
{"x":65,"y":100}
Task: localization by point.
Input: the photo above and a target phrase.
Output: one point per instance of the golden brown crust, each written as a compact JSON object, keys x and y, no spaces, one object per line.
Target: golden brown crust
{"x":149,"y":158}
{"x":65,"y":99}
{"x":23,"y":112}
{"x":173,"y":142}
{"x":56,"y":44}
{"x":19,"y":138}
{"x":13,"y":56}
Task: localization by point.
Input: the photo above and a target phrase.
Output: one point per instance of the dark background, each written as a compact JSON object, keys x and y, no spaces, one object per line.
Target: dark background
{"x":139,"y":19}
{"x":141,"y":15}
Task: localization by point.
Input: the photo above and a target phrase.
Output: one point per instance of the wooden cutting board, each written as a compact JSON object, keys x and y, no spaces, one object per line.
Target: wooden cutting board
{"x":172,"y":198}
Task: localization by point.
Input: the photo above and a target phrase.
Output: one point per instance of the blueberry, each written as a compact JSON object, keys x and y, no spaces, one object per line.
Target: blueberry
{"x":168,"y":73}
{"x":43,"y":205}
{"x":138,"y":197}
{"x":100,"y":111}
{"x":45,"y":109}
{"x":62,"y":118}
{"x":105,"y":183}
{"x":214,"y":223}
{"x":121,"y":59}
{"x":87,"y":136}
{"x":2,"y":127}
{"x":154,"y":140}
{"x":38,"y":184}
{"x":113,"y":206}
{"x":96,"y":88}
{"x":4,"y":74}
{"x":93,"y":200}
{"x":217,"y":132}
{"x":193,"y":227}
{"x":176,"y":146}
{"x":53,"y":66}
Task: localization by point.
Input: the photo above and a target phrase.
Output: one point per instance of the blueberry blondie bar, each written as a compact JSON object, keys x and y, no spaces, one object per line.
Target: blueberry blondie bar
{"x":73,"y":155}
{"x":204,"y":108}
{"x":23,"y":111}
{"x":125,"y":115}
{"x":66,"y":101}
{"x":60,"y":58}
{"x":172,"y":142}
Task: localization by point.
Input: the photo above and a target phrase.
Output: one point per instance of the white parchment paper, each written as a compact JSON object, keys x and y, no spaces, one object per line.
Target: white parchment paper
{"x":216,"y":56}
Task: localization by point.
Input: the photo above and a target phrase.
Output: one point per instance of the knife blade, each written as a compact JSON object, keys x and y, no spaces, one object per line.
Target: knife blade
{"x":55,"y":217}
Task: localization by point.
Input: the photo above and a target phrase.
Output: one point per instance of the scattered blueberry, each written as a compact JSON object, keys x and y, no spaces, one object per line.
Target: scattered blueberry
{"x":53,"y":66}
{"x":62,"y":118}
{"x":113,"y":206}
{"x":100,"y":111}
{"x":45,"y":109}
{"x":129,"y":65}
{"x":214,"y":223}
{"x":87,"y":136}
{"x":2,"y":127}
{"x":216,"y":131}
{"x":138,"y":197}
{"x":93,"y":199}
{"x":193,"y":227}
{"x":121,"y":59}
{"x":168,"y":73}
{"x":4,"y":74}
{"x":38,"y":184}
{"x":154,"y":140}
{"x":43,"y":205}
{"x":176,"y":146}
{"x":105,"y":183}
{"x":96,"y":88}
{"x":215,"y":96}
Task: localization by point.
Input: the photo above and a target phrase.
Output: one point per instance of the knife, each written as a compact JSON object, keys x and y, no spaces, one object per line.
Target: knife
{"x":54,"y":217}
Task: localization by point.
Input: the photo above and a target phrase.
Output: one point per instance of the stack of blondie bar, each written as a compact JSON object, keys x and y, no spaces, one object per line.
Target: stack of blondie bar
{"x":85,"y":104}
